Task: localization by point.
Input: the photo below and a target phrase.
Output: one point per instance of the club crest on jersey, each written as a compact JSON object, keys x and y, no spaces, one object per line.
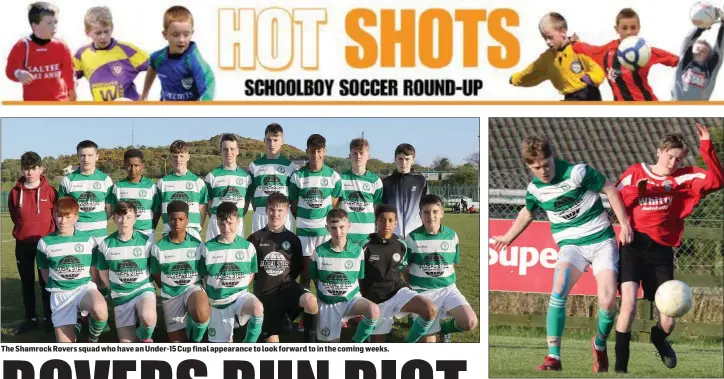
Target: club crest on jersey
{"x":576,"y":67}
{"x":187,"y":83}
{"x":325,"y":332}
{"x":212,"y":332}
{"x":366,"y":187}
{"x":445,"y":245}
{"x":79,"y":248}
{"x":137,"y":252}
{"x":396,"y":257}
{"x":142,"y":193}
{"x":239,"y":181}
{"x":325,"y":181}
{"x":96,"y":185}
{"x":413,"y":189}
{"x":117,"y":69}
{"x":190,"y":253}
{"x":286,"y":245}
{"x":348,"y":264}
{"x":281,"y":169}
{"x":189,"y":186}
{"x":239,"y":255}
{"x":667,"y":185}
{"x":566,"y":187}
{"x":613,"y":74}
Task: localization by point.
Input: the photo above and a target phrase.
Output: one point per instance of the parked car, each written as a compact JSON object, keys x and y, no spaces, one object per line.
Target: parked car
{"x":455,"y":199}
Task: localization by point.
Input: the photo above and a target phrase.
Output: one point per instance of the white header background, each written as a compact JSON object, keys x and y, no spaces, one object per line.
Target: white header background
{"x":663,"y":25}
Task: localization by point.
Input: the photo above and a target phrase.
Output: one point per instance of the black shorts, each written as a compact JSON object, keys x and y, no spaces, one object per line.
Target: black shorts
{"x":276,"y":306}
{"x":589,"y":93}
{"x":646,"y":261}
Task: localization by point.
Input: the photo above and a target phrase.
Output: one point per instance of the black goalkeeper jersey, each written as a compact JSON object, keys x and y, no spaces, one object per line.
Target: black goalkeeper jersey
{"x":280,"y":260}
{"x":384,"y":261}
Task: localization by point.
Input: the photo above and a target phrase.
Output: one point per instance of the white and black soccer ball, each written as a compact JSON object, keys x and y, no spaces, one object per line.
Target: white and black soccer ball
{"x":673,"y":298}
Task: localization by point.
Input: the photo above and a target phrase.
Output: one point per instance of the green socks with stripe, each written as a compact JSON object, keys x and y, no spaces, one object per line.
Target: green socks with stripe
{"x":419,"y":328}
{"x":95,"y":328}
{"x":364,"y":330}
{"x":605,"y":324}
{"x":555,"y":321}
{"x":144,"y":333}
{"x":195,"y":331}
{"x":253,"y":329}
{"x":449,"y":326}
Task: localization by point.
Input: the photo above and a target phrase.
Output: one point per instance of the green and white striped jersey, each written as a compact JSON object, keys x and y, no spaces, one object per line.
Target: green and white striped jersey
{"x":188,"y":188}
{"x":360,"y":195}
{"x":143,"y":195}
{"x":338,"y":273}
{"x":573,"y":204}
{"x":432,"y":257}
{"x":127,"y":263}
{"x":91,"y":192}
{"x":269,"y":176}
{"x":314,"y":192}
{"x":227,"y":269}
{"x":68,"y":260}
{"x":228,"y":185}
{"x":178,"y":264}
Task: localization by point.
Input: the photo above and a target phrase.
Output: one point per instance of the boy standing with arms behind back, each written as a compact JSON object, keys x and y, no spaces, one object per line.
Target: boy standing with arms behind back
{"x":403,"y":190}
{"x":31,"y":204}
{"x":41,"y":63}
{"x":184,"y":74}
{"x":361,"y":192}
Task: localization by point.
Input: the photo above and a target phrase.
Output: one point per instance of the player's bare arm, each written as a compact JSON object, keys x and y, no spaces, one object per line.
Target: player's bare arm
{"x":150,"y":77}
{"x":617,"y":204}
{"x":246,"y":207}
{"x":525,"y":217}
{"x":335,"y":202}
{"x":203,"y":209}
{"x":105,"y":278}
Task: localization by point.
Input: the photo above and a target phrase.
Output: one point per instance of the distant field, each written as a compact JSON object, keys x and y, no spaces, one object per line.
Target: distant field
{"x":11,"y":302}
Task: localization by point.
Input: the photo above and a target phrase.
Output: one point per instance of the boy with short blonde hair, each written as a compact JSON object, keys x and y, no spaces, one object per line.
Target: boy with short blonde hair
{"x":109,"y":66}
{"x":575,"y":76}
{"x":183,"y":72}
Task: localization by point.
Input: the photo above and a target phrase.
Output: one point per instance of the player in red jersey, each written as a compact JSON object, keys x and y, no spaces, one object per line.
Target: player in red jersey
{"x":657,"y":199}
{"x":43,"y":65}
{"x":626,"y":85}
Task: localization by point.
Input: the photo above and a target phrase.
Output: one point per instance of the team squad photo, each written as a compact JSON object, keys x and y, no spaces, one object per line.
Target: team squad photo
{"x":347,"y":253}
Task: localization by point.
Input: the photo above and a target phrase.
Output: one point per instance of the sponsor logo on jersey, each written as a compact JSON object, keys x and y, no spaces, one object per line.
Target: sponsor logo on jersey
{"x":314,"y":198}
{"x":433,"y":265}
{"x":182,"y":196}
{"x":374,"y":258}
{"x":567,"y":208}
{"x":271,"y":184}
{"x":337,"y":283}
{"x":356,"y":201}
{"x":87,"y":201}
{"x":696,"y":79}
{"x":128,"y":271}
{"x":181,"y":273}
{"x":69,"y":267}
{"x":274,"y":263}
{"x":230,"y":194}
{"x":230,"y":275}
{"x":655,"y":203}
{"x":140,"y":209}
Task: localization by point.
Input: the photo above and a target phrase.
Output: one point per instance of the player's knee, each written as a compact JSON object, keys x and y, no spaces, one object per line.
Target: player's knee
{"x":374,"y":311}
{"x":309,"y":303}
{"x":100,"y":311}
{"x":201,"y":314}
{"x":469,"y":323}
{"x":607,"y":301}
{"x":429,"y":312}
{"x":258,"y":308}
{"x":147,"y":317}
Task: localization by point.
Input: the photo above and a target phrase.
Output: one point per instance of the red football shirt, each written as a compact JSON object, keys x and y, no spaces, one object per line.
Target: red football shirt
{"x":51,"y":65}
{"x":659,"y":210}
{"x":626,"y":85}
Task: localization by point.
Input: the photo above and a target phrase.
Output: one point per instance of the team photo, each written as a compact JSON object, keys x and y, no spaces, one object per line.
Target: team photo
{"x":244,"y":230}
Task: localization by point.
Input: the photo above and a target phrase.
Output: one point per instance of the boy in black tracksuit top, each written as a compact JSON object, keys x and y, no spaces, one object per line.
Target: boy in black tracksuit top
{"x":383,"y":282}
{"x":403,"y":190}
{"x":279,"y":253}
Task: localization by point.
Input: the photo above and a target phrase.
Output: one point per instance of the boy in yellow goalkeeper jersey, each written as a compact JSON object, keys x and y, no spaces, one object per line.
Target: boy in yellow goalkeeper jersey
{"x":575,"y":76}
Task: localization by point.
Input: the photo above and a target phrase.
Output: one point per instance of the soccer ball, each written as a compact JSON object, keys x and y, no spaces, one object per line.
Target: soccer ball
{"x":673,"y":298}
{"x":633,"y":53}
{"x":703,"y":15}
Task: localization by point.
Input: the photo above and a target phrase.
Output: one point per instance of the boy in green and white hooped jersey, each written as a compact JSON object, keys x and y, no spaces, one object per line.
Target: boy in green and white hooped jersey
{"x":139,"y":191}
{"x":123,"y":262}
{"x":227,"y":182}
{"x":361,"y":192}
{"x":175,"y":265}
{"x":89,"y":187}
{"x":569,"y":193}
{"x":433,"y":250}
{"x":185,"y":186}
{"x":228,"y":264}
{"x":313,"y":191}
{"x":65,"y":260}
{"x":336,"y":267}
{"x":270,"y":174}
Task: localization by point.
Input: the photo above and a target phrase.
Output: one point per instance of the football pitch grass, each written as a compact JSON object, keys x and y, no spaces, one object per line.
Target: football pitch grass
{"x":518,"y":356}
{"x":12,"y":310}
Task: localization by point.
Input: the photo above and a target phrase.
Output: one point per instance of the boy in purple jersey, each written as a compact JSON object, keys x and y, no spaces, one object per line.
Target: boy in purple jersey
{"x":109,"y":66}
{"x":183,"y":72}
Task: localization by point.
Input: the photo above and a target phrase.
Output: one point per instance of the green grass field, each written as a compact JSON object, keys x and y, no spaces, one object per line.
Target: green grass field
{"x":516,"y":356}
{"x":11,"y":302}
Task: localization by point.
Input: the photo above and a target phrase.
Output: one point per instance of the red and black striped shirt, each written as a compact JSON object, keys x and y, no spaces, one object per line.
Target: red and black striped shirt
{"x":626,"y":85}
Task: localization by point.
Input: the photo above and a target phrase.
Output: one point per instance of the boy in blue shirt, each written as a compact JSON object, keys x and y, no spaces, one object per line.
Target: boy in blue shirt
{"x":184,"y":74}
